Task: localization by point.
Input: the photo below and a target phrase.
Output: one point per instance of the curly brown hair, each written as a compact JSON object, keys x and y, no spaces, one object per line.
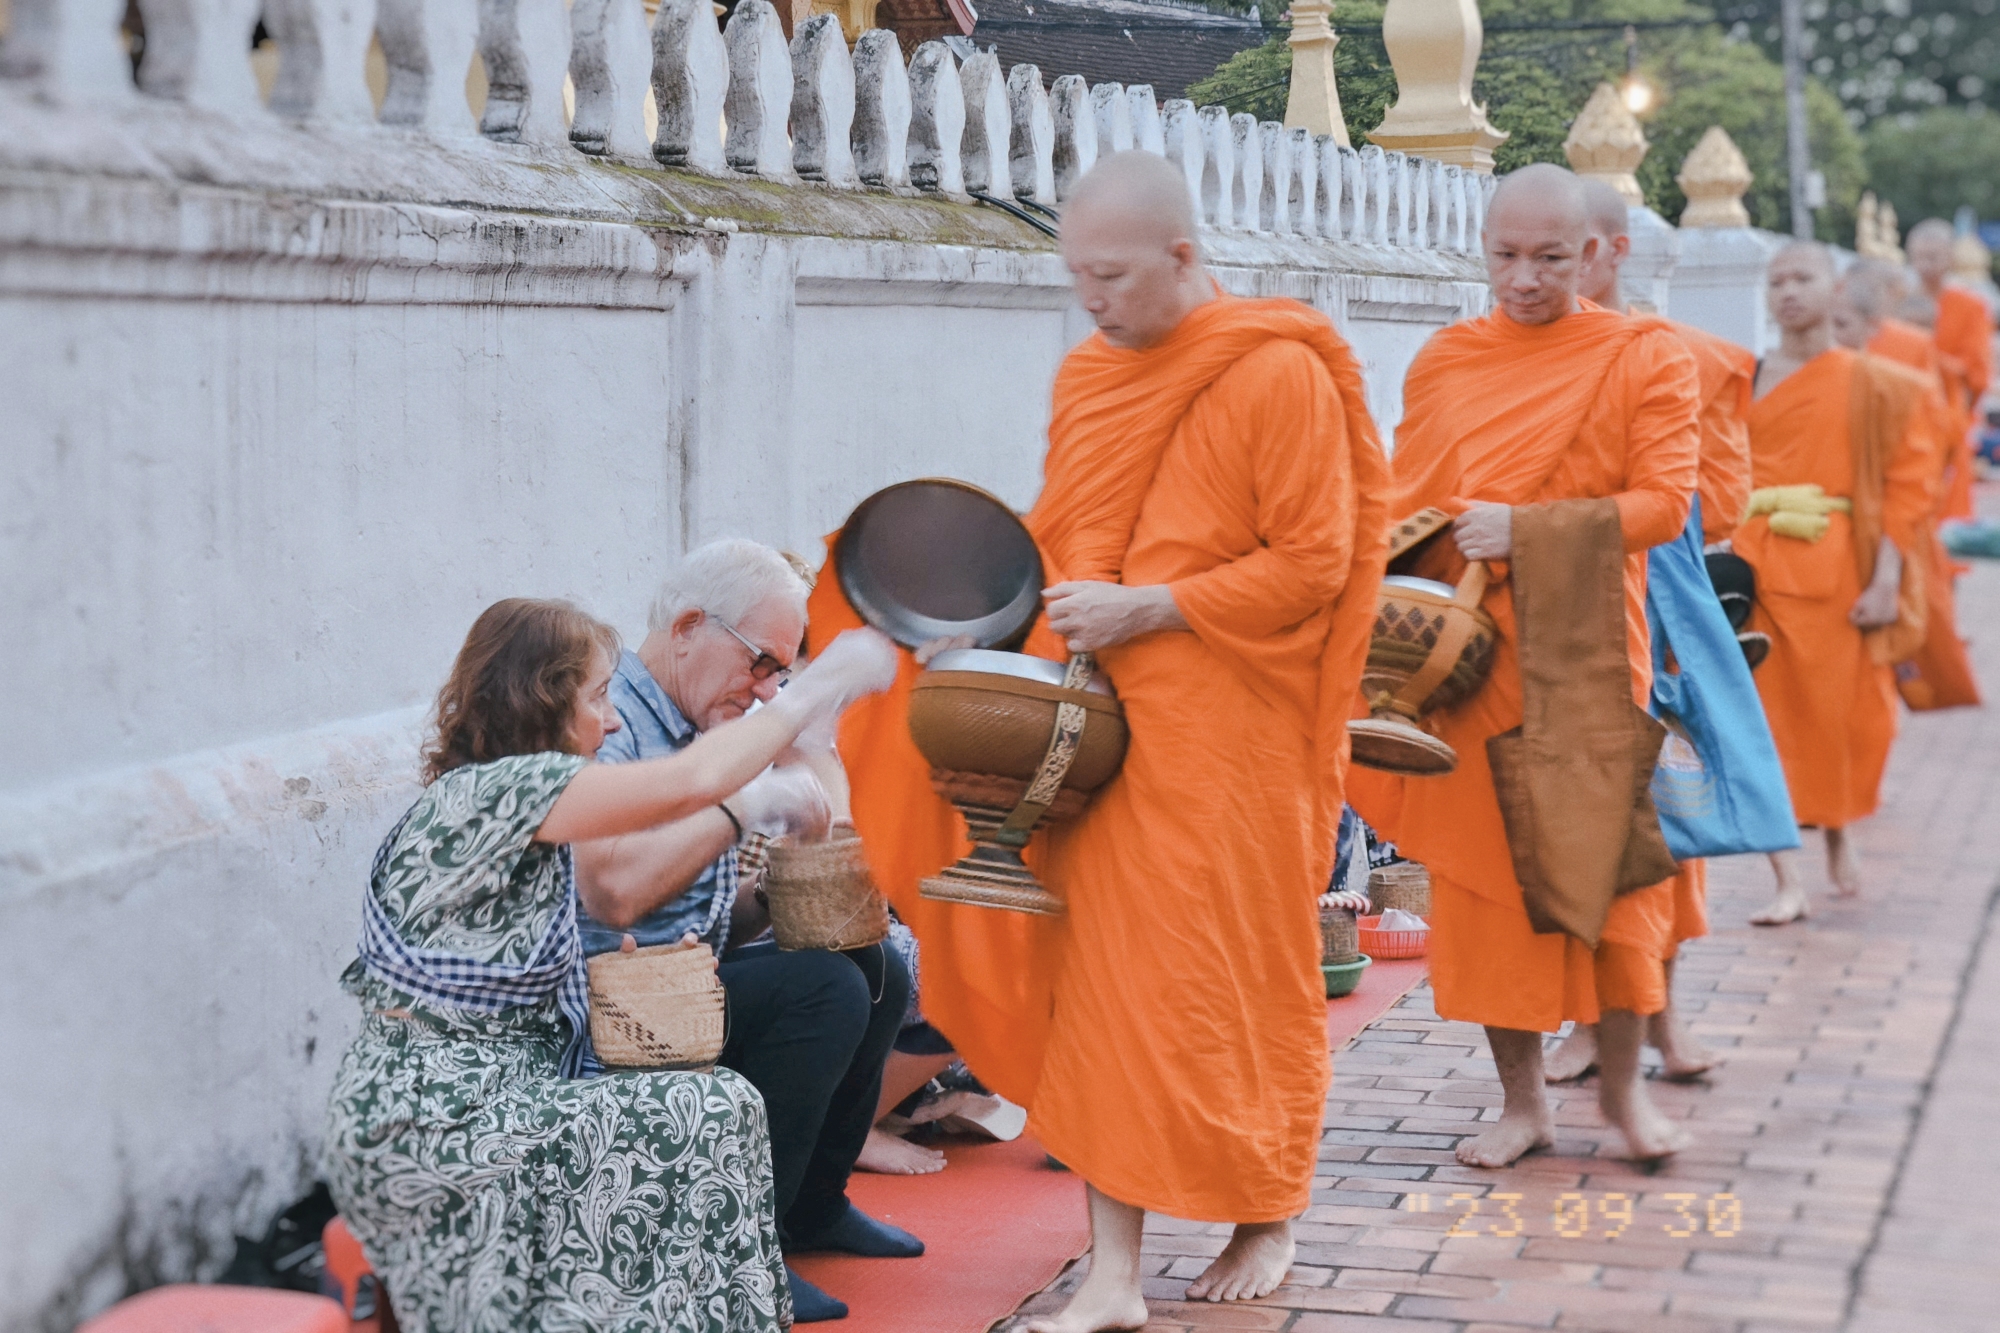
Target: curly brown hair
{"x":513,"y":688}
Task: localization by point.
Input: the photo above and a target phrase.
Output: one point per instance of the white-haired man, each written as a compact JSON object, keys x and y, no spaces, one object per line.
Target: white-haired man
{"x":809,"y":1028}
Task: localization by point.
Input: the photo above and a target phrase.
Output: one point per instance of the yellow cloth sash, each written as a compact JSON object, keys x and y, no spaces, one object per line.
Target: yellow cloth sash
{"x":1797,"y":511}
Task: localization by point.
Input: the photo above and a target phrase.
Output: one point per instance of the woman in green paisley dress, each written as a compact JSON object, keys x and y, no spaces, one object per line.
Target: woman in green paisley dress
{"x":489,"y":1188}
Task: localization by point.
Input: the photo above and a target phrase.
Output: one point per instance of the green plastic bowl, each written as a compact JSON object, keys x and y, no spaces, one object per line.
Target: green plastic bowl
{"x":1342,"y":978}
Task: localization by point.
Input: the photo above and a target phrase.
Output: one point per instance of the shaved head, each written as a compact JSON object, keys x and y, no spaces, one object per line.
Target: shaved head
{"x":1873,"y":288}
{"x":1128,"y":237}
{"x":1798,"y":286}
{"x":1604,"y":209}
{"x":1538,"y":243}
{"x":1929,"y":248}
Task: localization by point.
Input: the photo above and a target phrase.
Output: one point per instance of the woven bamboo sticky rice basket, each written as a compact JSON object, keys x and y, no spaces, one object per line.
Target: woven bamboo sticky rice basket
{"x":822,"y":896}
{"x":657,"y":1008}
{"x":1339,"y":938}
{"x":1400,"y":884}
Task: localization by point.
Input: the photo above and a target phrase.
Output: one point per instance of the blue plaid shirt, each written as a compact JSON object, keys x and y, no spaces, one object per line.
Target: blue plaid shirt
{"x":654,"y":727}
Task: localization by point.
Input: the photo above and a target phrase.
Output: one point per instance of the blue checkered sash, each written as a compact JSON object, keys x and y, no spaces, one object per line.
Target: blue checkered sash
{"x":451,"y":981}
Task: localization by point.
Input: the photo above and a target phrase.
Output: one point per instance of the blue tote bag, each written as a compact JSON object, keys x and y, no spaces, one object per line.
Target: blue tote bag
{"x":1719,"y":787}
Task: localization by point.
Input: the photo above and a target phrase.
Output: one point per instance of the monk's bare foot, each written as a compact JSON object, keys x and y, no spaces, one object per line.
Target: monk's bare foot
{"x":1682,"y":1058}
{"x":1843,"y":867}
{"x":887,"y":1155}
{"x":1787,"y":907}
{"x":1649,"y":1134}
{"x":1097,"y":1306}
{"x":1251,"y":1266}
{"x":1575,"y":1057}
{"x":1511,"y":1138}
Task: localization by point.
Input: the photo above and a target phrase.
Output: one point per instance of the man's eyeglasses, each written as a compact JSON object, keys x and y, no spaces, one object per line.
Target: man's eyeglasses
{"x":763,"y":666}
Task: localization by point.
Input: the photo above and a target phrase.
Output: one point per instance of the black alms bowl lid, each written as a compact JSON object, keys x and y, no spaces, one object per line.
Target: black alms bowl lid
{"x":934,"y":558}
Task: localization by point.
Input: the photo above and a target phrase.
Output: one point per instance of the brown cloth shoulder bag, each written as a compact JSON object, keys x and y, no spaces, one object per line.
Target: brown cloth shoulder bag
{"x":1574,"y":778}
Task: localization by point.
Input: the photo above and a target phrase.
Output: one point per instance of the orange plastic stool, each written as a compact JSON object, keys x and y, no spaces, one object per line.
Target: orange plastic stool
{"x":353,"y":1283}
{"x":192,"y":1309}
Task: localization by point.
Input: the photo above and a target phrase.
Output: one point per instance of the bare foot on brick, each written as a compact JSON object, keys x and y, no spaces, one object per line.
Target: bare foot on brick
{"x":1252,"y":1265}
{"x":887,"y":1155}
{"x":1843,"y":867}
{"x":1096,"y":1308}
{"x":1787,"y":907}
{"x":1682,"y":1058}
{"x":1649,"y":1134}
{"x":1511,"y":1138}
{"x":1575,"y":1057}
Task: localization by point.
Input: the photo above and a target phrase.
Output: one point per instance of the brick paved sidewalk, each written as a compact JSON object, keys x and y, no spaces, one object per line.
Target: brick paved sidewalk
{"x":1830,"y":1187}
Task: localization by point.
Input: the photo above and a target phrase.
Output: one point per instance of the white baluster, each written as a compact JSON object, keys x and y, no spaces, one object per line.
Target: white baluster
{"x":937,"y":120}
{"x":882,"y":110}
{"x":983,"y":151}
{"x":1032,"y":136}
{"x":1076,"y":132}
{"x":1328,"y":198}
{"x":1274,"y":203}
{"x":428,"y":45}
{"x":690,"y":86}
{"x":1375,"y":172}
{"x":1454,"y":180}
{"x":1113,"y":115}
{"x":610,"y":64}
{"x":823,"y":103}
{"x":1219,"y":182}
{"x":70,"y":48}
{"x":526,"y":47}
{"x":760,"y":92}
{"x":197,"y":51}
{"x":322,"y":55}
{"x":1182,"y":140}
{"x":1246,"y":139}
{"x":1305,"y":183}
{"x":1419,"y":215}
{"x":1147,"y":131}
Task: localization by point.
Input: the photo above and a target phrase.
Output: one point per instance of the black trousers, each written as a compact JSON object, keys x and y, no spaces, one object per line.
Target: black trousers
{"x":811,"y":1030}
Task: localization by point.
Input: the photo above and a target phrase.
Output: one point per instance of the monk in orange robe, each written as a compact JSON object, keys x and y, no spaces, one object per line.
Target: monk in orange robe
{"x":1962,"y":332}
{"x":1834,"y":590}
{"x":1548,"y":398}
{"x":1723,"y":483}
{"x":1940,"y":675}
{"x":1215,"y":506}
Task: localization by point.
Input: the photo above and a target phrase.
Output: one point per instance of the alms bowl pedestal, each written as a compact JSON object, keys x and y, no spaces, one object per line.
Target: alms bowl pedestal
{"x":1013,"y":741}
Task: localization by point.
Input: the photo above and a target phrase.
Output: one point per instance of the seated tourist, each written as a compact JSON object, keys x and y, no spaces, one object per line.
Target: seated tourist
{"x":490,"y":1187}
{"x":809,"y":1029}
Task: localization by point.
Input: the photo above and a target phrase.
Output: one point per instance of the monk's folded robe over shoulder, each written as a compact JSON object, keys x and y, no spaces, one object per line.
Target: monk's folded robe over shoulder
{"x":1169,"y":1033}
{"x":1594,"y":405}
{"x":1851,"y":425}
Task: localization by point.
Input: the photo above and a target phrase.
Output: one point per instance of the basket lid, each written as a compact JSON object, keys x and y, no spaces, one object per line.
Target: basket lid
{"x":935,"y":558}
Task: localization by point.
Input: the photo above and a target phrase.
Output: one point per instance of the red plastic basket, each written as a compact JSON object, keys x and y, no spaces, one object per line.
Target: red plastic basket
{"x":1390,"y":943}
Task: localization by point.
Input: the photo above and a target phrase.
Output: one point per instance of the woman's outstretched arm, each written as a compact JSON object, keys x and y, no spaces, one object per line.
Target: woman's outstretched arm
{"x":605,"y":800}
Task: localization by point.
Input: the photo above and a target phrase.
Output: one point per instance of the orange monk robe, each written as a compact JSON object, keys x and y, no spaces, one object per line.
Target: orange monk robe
{"x":1963,"y":336}
{"x":1832,"y":708}
{"x":1593,"y":405}
{"x":1186,"y":1068}
{"x":1727,"y":375}
{"x":1942,"y":670}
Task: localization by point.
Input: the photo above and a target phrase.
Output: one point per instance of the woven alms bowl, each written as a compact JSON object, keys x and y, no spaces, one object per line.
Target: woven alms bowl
{"x":996,"y":725}
{"x":657,"y":1008}
{"x":1401,"y":884}
{"x":1411,"y":617}
{"x":822,"y":895}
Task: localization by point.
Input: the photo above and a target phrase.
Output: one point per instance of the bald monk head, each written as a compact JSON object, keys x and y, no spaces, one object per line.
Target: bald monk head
{"x":1128,"y":236}
{"x":1798,"y":286}
{"x":1866,"y":294}
{"x":1606,"y":210}
{"x":1929,"y":248}
{"x":1538,"y":243}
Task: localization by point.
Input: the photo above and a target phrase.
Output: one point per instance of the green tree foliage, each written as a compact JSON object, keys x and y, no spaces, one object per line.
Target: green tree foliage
{"x":1894,"y":57}
{"x":1534,"y":80}
{"x":1929,"y":164}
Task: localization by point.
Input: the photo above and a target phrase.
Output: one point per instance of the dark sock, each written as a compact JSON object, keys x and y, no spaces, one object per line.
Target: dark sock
{"x":855,"y":1232}
{"x":810,"y":1305}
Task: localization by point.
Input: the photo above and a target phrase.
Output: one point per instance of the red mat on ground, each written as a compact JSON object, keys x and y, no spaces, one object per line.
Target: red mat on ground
{"x":998,"y":1225}
{"x":1384,"y":982}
